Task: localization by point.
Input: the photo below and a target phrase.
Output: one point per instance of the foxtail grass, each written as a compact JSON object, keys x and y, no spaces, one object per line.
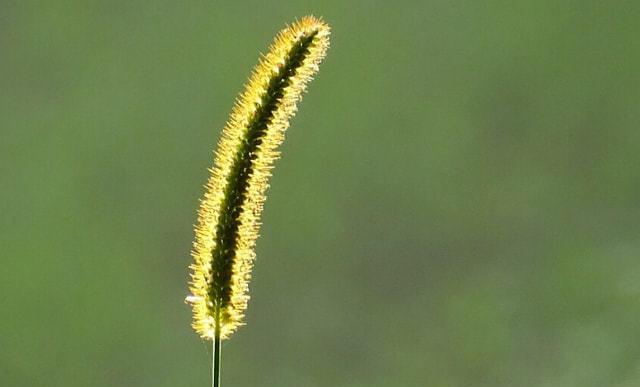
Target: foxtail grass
{"x":229,"y":215}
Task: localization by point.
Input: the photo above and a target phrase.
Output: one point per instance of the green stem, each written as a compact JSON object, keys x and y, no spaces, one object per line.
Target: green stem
{"x":215,"y":370}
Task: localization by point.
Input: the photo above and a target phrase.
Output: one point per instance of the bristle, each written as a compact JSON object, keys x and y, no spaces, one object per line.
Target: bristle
{"x":229,"y":214}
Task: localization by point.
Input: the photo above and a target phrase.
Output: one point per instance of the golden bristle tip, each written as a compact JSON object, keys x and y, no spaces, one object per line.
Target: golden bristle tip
{"x":229,"y":214}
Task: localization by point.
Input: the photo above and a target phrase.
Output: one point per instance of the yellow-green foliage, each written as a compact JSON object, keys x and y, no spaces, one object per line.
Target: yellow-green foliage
{"x":229,"y":214}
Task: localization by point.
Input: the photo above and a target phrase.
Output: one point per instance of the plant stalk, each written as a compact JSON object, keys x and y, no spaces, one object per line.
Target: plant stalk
{"x":215,"y":366}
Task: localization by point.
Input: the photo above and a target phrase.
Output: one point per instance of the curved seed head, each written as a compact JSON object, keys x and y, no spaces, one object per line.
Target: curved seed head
{"x":229,"y":214}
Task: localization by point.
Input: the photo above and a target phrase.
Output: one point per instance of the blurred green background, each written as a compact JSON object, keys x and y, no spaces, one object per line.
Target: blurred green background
{"x":457,"y":203}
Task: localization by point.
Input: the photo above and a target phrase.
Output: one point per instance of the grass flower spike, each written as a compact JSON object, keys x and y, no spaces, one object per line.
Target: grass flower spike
{"x":229,"y":214}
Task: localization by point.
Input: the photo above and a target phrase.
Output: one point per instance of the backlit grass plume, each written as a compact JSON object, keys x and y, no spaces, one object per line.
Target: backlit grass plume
{"x":229,"y":214}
